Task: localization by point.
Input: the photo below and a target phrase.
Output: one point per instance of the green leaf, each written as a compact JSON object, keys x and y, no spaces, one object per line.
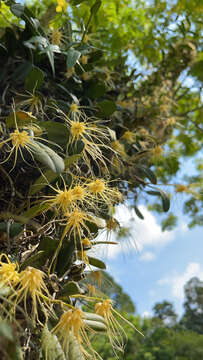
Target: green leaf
{"x":38,"y":40}
{"x":169,"y":223}
{"x":3,"y":227}
{"x":165,"y":200}
{"x":6,"y":331}
{"x":96,"y":90}
{"x":197,"y":70}
{"x":76,"y":2}
{"x":56,"y":132}
{"x":49,"y":50}
{"x":107,"y":107}
{"x":164,"y":197}
{"x":75,"y":352}
{"x":76,"y":148}
{"x":35,"y":210}
{"x":14,"y":228}
{"x":153,"y":193}
{"x":22,"y":118}
{"x":65,"y":257}
{"x":94,"y":9}
{"x":72,"y":58}
{"x":47,"y":156}
{"x":50,"y":55}
{"x":93,"y":317}
{"x":138,"y":213}
{"x":95,"y":56}
{"x":21,"y":71}
{"x":51,"y":346}
{"x":96,"y":262}
{"x":34,"y":79}
{"x":147,"y":173}
{"x":3,"y":47}
{"x":58,"y":162}
{"x":96,"y":325}
{"x":51,"y":176}
{"x":69,"y":289}
{"x":33,"y":260}
{"x":17,"y":9}
{"x":48,"y":245}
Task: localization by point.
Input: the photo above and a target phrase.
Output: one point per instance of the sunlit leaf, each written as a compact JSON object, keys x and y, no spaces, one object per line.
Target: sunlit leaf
{"x":50,"y":176}
{"x":72,"y":57}
{"x":96,"y":262}
{"x":94,"y":9}
{"x":34,"y":79}
{"x":17,"y":9}
{"x":69,"y":289}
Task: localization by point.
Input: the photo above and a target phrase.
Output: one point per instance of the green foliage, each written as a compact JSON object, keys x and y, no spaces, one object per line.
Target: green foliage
{"x":82,"y":130}
{"x":164,"y":337}
{"x":164,"y":311}
{"x":169,"y":222}
{"x":192,"y":320}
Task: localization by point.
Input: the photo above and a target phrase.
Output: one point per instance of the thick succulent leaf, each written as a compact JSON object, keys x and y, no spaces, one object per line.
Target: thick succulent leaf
{"x":51,"y":176}
{"x":76,"y":2}
{"x":138,"y":212}
{"x":94,"y":9}
{"x":33,"y":260}
{"x":47,"y":156}
{"x":51,"y":346}
{"x":96,"y":262}
{"x":107,"y":107}
{"x":165,"y":200}
{"x":57,"y":160}
{"x":34,"y":79}
{"x":6,"y":331}
{"x":76,"y":148}
{"x":14,"y":228}
{"x":69,"y":289}
{"x":65,"y":257}
{"x":20,"y":73}
{"x":17,"y":9}
{"x":96,"y":90}
{"x":72,"y":58}
{"x":146,"y":172}
{"x":48,"y":245}
{"x":56,"y":132}
{"x":96,"y":325}
{"x":75,"y":352}
{"x":164,"y":197}
{"x":93,"y":317}
{"x":35,"y":210}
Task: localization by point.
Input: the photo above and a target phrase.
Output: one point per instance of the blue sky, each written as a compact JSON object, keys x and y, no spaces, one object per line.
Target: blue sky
{"x":152,"y":265}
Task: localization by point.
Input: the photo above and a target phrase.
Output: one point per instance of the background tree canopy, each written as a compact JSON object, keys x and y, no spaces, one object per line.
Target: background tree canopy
{"x":100,"y":104}
{"x":166,"y":336}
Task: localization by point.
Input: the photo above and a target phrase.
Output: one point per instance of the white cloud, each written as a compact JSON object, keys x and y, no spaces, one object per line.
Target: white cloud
{"x":177,"y":281}
{"x":147,"y":314}
{"x":147,"y":256}
{"x":144,"y":234}
{"x":183,"y":227}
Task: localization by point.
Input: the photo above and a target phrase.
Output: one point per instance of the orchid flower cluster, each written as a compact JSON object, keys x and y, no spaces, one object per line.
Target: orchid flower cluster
{"x":73,"y":207}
